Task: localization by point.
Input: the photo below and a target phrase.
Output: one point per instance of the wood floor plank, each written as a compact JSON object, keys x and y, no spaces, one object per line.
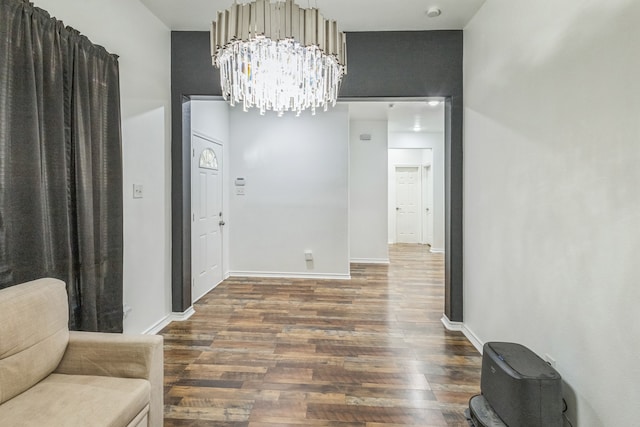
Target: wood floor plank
{"x":365,"y":352}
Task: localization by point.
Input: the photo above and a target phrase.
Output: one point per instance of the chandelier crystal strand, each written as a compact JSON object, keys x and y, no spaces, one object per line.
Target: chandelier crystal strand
{"x":278,"y":56}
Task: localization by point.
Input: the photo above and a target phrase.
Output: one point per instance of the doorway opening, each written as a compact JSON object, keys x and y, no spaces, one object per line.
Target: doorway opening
{"x":409,"y":180}
{"x":452,"y":209}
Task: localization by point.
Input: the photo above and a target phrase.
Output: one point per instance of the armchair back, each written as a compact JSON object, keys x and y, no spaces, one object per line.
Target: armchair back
{"x":34,"y":333}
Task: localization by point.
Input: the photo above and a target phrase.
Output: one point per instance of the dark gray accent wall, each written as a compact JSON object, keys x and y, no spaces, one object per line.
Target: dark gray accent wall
{"x":191,"y":74}
{"x":403,"y":64}
{"x":380,"y":64}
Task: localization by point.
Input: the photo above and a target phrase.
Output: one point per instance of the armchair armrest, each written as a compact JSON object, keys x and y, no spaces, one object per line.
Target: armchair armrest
{"x":111,"y":355}
{"x":116,"y":355}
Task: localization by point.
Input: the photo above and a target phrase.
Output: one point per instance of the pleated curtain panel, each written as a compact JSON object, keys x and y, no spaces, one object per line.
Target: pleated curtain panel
{"x":60,"y":164}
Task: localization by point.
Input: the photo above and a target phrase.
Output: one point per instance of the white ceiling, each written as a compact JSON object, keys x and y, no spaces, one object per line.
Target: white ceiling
{"x":352,"y":15}
{"x":402,"y":116}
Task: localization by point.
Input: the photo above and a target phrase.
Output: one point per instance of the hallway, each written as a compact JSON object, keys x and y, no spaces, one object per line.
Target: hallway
{"x":370,"y":351}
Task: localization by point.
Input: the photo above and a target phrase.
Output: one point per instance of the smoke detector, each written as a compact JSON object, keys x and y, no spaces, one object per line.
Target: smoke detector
{"x":433,"y":12}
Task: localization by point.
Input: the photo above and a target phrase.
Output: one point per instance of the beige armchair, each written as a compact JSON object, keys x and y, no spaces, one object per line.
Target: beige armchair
{"x":51,"y":377}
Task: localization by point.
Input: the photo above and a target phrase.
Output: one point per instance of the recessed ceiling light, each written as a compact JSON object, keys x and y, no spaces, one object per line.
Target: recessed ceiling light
{"x":433,"y":12}
{"x":433,"y":103}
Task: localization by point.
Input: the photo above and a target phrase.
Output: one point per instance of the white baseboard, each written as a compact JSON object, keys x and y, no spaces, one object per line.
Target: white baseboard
{"x":185,"y":315}
{"x":471,"y":336}
{"x":369,"y":261}
{"x":274,"y":275}
{"x":451,"y":326}
{"x":436,"y":250}
{"x":158,"y":326}
{"x":461,"y":327}
{"x":173,"y":317}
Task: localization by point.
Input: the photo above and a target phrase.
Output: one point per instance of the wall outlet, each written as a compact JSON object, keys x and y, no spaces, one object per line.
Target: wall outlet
{"x":308,"y":255}
{"x":550,"y":360}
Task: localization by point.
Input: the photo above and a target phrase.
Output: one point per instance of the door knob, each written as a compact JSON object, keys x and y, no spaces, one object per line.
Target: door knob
{"x":221,"y":223}
{"x":397,"y":209}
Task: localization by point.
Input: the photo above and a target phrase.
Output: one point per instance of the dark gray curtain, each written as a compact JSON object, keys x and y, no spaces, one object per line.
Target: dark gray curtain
{"x":60,"y":164}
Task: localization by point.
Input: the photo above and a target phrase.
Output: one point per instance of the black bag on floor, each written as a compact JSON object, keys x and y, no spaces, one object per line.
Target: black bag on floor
{"x":519,"y":389}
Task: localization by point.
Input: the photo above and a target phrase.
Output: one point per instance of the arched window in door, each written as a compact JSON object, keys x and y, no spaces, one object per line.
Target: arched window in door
{"x":208,"y":159}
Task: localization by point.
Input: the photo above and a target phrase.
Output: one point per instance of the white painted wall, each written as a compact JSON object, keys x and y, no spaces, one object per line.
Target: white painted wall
{"x":143,"y":43}
{"x":368,"y":192}
{"x":433,"y":140}
{"x":211,"y":118}
{"x":296,"y":194}
{"x":552,"y":206}
{"x":406,"y":142}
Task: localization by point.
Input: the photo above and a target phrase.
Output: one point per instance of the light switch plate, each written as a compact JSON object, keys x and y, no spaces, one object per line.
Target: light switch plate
{"x":138,"y":191}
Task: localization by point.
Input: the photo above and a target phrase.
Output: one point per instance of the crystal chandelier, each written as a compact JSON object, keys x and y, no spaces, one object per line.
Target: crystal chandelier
{"x":275,"y":55}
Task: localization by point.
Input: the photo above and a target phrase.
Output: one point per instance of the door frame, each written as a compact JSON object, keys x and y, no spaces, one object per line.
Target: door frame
{"x":426,"y":193}
{"x":181,"y":192}
{"x":191,"y":187}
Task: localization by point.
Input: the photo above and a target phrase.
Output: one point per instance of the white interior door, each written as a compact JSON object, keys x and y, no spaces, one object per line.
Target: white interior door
{"x":408,"y":204}
{"x":207,"y":221}
{"x":427,"y":205}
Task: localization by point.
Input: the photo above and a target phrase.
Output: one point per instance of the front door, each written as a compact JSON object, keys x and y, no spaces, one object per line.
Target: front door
{"x":206,"y":216}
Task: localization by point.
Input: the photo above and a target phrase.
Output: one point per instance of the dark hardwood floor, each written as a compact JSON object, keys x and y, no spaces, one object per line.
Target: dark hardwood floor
{"x":369,"y":352}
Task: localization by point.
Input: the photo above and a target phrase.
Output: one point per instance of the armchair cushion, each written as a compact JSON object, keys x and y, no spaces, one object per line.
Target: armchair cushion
{"x":77,"y":401}
{"x":31,"y":350}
